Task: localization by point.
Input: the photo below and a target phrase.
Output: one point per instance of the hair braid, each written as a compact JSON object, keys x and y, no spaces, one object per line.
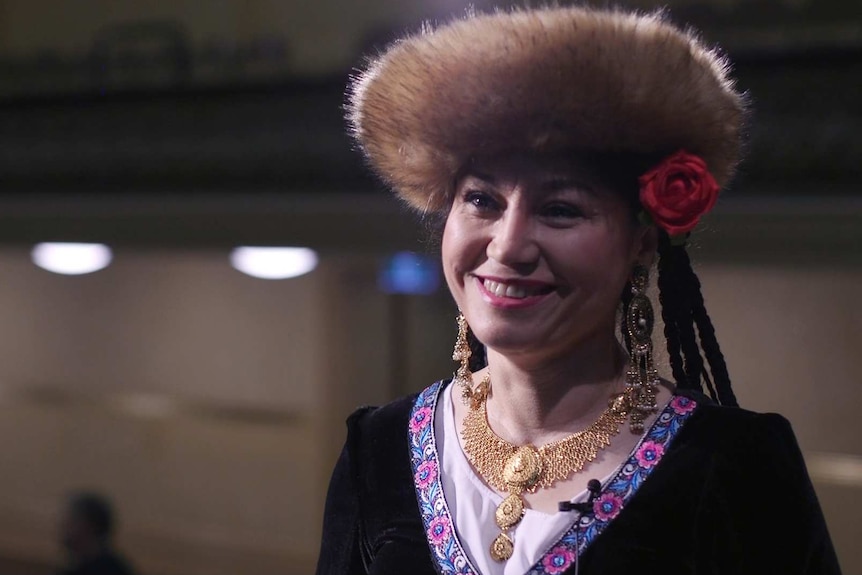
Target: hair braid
{"x":711,"y":349}
{"x":668,"y":300}
{"x":719,"y":385}
{"x":693,"y":361}
{"x":683,"y":310}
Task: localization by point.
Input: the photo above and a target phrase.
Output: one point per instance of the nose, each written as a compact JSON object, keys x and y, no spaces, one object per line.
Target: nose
{"x":513,"y":243}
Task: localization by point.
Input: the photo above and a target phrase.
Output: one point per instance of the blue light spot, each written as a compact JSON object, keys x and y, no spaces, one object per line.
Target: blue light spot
{"x":409,"y":273}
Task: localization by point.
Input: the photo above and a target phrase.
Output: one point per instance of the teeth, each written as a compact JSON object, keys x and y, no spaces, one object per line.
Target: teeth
{"x":506,"y":290}
{"x":515,"y":291}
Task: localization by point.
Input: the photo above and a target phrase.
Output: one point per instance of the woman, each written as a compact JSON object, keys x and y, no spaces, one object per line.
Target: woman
{"x":568,"y":150}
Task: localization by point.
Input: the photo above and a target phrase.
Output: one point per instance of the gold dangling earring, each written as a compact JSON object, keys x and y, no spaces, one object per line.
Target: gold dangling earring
{"x":464,"y":377}
{"x":462,"y":353}
{"x":642,"y":379}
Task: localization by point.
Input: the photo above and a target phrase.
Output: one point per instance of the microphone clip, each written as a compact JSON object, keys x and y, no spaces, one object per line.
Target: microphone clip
{"x":594,"y":486}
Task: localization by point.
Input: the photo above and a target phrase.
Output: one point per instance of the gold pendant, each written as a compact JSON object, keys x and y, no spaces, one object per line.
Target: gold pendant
{"x":502,"y":548}
{"x":514,"y":470}
{"x":523,"y":468}
{"x":509,"y":512}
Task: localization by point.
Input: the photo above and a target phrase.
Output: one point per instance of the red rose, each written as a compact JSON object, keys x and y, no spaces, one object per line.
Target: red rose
{"x":677,"y":192}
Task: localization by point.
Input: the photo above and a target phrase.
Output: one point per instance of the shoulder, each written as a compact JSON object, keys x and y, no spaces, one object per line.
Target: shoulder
{"x":379,"y":456}
{"x":754,"y":468}
{"x":736,"y":440}
{"x":732,"y":423}
{"x":371,"y":422}
{"x":742,"y":428}
{"x":741,"y":446}
{"x":379,"y":436}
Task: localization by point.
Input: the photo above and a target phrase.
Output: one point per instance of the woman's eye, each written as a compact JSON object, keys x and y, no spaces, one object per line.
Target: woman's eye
{"x":480,"y":200}
{"x":562,"y":211}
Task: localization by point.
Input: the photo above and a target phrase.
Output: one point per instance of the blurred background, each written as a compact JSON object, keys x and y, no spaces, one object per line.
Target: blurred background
{"x":157,"y":365}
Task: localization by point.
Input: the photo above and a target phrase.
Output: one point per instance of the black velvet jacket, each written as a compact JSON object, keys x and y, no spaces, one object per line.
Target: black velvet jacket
{"x":731,"y":496}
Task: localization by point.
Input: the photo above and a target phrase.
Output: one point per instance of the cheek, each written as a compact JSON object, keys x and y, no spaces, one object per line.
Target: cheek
{"x":621,"y":239}
{"x":462,"y":250}
{"x":451,"y":249}
{"x":599,"y":260}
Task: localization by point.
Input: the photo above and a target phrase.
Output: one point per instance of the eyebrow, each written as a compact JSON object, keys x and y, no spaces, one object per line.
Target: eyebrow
{"x":564,"y":182}
{"x":551,"y":185}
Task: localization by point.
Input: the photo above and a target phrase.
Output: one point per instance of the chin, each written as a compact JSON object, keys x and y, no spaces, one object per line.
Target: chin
{"x":509,"y":340}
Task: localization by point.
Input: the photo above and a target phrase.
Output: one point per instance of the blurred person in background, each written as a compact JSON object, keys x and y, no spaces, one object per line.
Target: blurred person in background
{"x":86,"y":536}
{"x":567,"y":153}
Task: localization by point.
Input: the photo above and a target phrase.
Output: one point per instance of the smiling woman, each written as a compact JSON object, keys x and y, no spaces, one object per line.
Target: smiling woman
{"x":536,"y":254}
{"x":569,"y":150}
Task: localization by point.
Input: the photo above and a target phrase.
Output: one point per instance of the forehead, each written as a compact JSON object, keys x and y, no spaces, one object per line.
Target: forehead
{"x":535,"y":169}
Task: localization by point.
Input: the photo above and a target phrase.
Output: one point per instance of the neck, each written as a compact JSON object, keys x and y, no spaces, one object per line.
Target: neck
{"x":541,"y":401}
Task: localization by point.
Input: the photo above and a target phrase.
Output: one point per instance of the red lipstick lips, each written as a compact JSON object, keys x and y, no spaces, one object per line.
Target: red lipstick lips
{"x":513,"y":293}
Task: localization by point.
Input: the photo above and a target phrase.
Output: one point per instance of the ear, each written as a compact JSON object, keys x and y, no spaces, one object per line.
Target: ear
{"x":646,"y":245}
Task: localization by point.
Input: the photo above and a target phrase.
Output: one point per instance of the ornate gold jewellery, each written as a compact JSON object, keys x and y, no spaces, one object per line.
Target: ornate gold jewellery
{"x":516,"y":469}
{"x":464,"y":377}
{"x":642,"y":379}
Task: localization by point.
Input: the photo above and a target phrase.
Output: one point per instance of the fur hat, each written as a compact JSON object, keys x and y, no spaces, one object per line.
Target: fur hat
{"x":541,"y":80}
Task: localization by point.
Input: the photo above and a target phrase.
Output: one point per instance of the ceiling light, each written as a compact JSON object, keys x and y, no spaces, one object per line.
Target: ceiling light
{"x":71,"y":258}
{"x":273,"y":263}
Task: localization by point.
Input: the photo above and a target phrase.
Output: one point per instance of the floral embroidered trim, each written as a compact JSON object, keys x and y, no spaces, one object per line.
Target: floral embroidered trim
{"x":620,"y":489}
{"x":440,"y":531}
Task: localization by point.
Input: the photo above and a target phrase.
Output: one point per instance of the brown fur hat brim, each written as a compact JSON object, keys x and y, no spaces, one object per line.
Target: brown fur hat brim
{"x":541,"y":80}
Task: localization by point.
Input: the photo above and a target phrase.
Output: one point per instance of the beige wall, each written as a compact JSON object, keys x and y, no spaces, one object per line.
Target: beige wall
{"x":208,"y":404}
{"x":792,"y":335}
{"x":184,"y":323}
{"x":184,"y":389}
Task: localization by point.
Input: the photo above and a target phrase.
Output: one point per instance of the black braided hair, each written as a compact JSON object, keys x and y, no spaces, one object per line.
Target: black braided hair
{"x":688,"y":329}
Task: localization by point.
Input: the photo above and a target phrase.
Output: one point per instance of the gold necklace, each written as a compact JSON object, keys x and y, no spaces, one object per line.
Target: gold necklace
{"x":517,"y":469}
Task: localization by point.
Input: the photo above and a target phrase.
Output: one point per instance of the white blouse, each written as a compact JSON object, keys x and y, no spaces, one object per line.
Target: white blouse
{"x":472,"y":505}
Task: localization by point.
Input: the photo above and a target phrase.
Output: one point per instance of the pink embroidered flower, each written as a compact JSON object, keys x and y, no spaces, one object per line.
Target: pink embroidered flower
{"x":438,"y":531}
{"x":607,"y":506}
{"x":426,"y":473}
{"x":558,"y":560}
{"x":682,"y":405}
{"x":649,"y":453}
{"x":420,"y":419}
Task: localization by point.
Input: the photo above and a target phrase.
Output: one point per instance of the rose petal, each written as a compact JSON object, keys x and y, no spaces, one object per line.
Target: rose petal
{"x":677,"y":192}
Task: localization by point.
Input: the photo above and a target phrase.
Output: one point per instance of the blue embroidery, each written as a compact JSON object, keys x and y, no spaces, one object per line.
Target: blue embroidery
{"x":440,"y":530}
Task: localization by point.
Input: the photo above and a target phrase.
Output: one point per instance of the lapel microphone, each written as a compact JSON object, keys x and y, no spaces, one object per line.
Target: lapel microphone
{"x":594,"y":486}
